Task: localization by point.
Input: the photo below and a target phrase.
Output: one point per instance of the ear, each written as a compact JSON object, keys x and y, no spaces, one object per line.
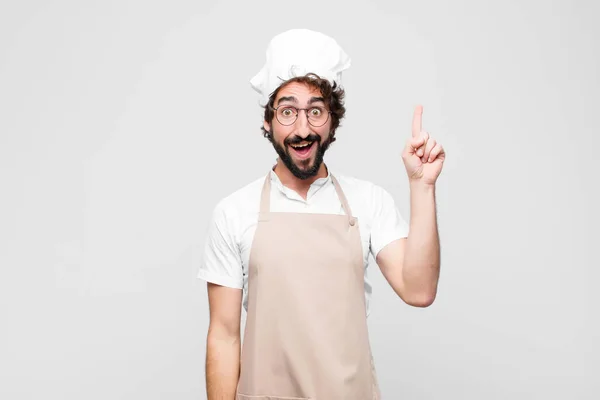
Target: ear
{"x":267,"y":126}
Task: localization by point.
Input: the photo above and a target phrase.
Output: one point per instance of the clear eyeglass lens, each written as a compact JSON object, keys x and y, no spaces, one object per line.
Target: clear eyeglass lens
{"x":316,"y":115}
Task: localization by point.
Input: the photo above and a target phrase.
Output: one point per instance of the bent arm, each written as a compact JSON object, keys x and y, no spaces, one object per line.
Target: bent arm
{"x":412,"y":265}
{"x":223,"y":342}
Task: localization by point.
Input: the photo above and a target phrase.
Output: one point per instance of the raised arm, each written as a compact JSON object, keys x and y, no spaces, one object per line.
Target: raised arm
{"x":412,"y":265}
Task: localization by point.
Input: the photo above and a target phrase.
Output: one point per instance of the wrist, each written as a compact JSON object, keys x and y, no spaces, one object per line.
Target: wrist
{"x":420,"y":186}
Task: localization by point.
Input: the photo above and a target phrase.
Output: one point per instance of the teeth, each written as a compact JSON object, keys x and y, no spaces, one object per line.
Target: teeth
{"x":299,"y":146}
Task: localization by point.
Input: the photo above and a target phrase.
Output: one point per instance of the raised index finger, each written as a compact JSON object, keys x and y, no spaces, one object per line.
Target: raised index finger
{"x":416,"y":124}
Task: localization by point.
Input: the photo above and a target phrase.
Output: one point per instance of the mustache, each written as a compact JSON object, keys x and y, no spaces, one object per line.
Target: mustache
{"x":297,"y":139}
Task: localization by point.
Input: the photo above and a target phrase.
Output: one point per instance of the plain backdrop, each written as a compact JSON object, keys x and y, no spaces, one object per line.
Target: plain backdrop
{"x":122,"y":124}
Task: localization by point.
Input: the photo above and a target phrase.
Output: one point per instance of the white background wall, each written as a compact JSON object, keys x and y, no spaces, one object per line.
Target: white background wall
{"x":122,"y":123}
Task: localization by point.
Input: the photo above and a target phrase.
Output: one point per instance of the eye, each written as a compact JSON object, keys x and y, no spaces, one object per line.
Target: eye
{"x":315,"y":112}
{"x":287,"y":112}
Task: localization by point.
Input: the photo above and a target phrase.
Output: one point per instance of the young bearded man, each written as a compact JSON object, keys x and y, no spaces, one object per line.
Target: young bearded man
{"x":292,"y":247}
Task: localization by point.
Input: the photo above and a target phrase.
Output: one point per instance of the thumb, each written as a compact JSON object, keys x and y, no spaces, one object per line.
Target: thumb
{"x":417,"y":142}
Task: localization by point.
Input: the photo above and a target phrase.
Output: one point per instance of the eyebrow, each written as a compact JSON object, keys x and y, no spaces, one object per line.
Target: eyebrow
{"x":294,"y":100}
{"x":287,"y":98}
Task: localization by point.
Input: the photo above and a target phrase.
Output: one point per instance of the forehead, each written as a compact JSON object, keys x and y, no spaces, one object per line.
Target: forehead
{"x":302,"y":92}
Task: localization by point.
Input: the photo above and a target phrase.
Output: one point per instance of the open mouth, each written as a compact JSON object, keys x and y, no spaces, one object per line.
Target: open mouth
{"x":303,"y":149}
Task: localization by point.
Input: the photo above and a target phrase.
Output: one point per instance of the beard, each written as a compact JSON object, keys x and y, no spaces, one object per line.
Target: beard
{"x":305,"y":169}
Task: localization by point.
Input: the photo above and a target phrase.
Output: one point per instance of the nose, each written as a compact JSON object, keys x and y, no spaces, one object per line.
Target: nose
{"x":302,"y":125}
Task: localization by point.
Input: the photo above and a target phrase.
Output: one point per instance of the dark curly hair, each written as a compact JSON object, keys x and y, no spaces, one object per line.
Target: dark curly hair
{"x":333,"y":96}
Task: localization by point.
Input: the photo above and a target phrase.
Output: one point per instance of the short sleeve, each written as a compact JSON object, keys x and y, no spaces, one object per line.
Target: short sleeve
{"x":221,"y":262}
{"x":388,"y":224}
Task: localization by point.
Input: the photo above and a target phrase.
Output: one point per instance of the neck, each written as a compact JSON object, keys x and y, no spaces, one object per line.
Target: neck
{"x":300,"y":186}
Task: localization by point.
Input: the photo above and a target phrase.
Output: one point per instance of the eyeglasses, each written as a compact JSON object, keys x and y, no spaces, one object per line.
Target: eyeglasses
{"x":287,"y":115}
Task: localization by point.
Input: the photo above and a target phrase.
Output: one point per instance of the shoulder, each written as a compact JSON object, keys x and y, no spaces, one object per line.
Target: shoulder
{"x":242,"y":200}
{"x":361,"y":188}
{"x":366,"y":197}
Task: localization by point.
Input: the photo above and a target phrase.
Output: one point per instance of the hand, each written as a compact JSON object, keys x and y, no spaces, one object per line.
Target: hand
{"x":423,"y":157}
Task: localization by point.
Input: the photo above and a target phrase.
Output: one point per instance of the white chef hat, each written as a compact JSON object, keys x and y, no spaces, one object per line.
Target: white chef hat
{"x":297,"y":52}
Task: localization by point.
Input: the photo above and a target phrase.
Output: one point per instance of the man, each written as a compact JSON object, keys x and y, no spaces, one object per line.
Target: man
{"x":292,"y":247}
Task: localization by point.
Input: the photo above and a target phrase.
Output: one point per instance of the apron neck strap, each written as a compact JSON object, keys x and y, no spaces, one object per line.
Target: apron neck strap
{"x":265,"y":198}
{"x":342,"y":196}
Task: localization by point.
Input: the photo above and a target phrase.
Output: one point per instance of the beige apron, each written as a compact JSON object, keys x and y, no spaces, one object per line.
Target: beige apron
{"x":306,"y":333}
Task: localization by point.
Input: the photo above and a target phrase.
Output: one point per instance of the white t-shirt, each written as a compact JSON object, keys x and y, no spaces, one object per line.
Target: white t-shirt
{"x":234,"y":220}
